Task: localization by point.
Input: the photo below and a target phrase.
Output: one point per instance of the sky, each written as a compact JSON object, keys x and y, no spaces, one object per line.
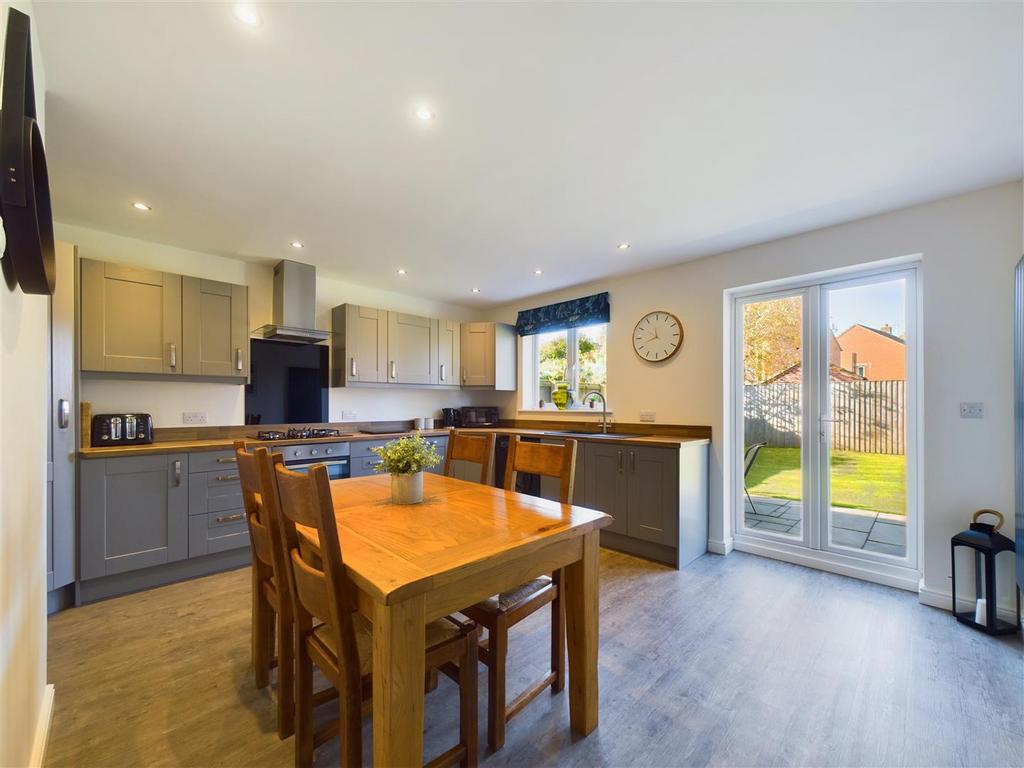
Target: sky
{"x":871,"y":305}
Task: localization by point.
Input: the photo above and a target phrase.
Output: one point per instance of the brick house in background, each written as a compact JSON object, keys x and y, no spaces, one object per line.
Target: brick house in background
{"x":873,"y":353}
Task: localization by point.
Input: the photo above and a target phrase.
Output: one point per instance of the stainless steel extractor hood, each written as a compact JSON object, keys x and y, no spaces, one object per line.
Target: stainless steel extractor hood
{"x":294,"y":305}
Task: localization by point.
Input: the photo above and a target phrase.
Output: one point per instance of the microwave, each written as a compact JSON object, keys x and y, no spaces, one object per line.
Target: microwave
{"x":479,"y":416}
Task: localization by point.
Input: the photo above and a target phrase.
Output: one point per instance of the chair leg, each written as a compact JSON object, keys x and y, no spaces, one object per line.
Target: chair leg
{"x":285,"y":677}
{"x":752,"y":507}
{"x":431,"y":680}
{"x":468,"y":724}
{"x":557,"y":635}
{"x":497,"y":648}
{"x":260,"y":647}
{"x":303,"y":703}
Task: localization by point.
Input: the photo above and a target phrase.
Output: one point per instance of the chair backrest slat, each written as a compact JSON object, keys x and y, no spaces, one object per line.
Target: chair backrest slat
{"x":542,"y":459}
{"x":478,"y":449}
{"x":252,"y":501}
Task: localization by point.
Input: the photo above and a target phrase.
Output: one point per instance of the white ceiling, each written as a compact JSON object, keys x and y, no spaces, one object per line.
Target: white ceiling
{"x":561,"y":130}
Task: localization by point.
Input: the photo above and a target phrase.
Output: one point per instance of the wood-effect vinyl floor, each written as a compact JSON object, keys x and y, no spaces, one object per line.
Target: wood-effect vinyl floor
{"x":736,"y":660}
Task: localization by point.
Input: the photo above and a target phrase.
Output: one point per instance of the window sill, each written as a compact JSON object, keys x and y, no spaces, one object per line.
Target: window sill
{"x":568,"y":412}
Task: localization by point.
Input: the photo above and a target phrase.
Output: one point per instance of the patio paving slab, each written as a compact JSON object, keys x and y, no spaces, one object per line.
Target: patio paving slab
{"x":778,"y":527}
{"x":844,"y":537}
{"x":885,"y":549}
{"x":888,"y":533}
{"x":853,"y":522}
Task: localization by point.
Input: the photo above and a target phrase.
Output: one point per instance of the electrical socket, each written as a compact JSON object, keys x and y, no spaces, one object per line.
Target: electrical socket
{"x":193,"y":417}
{"x":647,"y":416}
{"x":972,"y":410}
{"x":349,"y":416}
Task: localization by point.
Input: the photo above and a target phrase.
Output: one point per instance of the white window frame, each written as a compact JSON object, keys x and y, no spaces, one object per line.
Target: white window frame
{"x":529,"y":383}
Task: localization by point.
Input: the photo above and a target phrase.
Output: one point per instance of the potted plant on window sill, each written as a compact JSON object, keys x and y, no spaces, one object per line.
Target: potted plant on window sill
{"x":405,"y":459}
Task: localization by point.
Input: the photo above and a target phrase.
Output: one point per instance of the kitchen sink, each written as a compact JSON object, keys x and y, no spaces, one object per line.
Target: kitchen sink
{"x":598,"y":435}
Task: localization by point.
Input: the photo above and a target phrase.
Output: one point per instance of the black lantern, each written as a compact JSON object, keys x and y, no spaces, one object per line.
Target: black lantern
{"x":987,"y":544}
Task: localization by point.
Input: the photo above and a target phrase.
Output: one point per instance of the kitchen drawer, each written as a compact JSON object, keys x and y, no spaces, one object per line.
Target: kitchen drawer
{"x":214,"y":491}
{"x":441,"y":443}
{"x":206,"y":461}
{"x":365,"y":447}
{"x":364,"y":466}
{"x":217,"y":532}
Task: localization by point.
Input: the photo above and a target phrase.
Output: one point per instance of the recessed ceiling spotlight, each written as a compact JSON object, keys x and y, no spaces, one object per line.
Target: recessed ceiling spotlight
{"x":424,"y":113}
{"x":297,"y":244}
{"x":476,"y":290}
{"x":401,"y":271}
{"x":247,"y":15}
{"x":538,"y":271}
{"x":141,"y":207}
{"x":623,"y":246}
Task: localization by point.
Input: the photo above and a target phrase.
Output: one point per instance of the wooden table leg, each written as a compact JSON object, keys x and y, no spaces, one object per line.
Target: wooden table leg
{"x":398,"y":674}
{"x":580,"y":584}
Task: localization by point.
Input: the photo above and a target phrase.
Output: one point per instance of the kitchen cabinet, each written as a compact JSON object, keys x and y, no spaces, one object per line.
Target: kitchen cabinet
{"x":658,"y":497}
{"x":364,"y":460}
{"x":134,"y":513}
{"x":215,"y":332}
{"x":488,"y":354}
{"x":131,"y":319}
{"x":216,"y":512}
{"x":412,"y":349}
{"x":359,"y":345}
{"x":449,"y":348}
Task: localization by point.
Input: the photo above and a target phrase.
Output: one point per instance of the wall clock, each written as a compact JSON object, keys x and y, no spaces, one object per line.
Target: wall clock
{"x":657,"y":336}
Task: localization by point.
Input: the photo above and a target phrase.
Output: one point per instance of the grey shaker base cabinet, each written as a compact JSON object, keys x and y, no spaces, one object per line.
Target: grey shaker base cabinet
{"x":658,"y":497}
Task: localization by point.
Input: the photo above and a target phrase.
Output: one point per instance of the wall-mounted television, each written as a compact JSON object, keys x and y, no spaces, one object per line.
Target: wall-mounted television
{"x":288,"y":383}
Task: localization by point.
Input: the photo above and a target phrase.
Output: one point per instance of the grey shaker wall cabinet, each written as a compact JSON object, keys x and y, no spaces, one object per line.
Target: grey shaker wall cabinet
{"x":359,"y":345}
{"x":215,"y":328}
{"x":449,"y":353}
{"x":412,"y":349}
{"x":130,"y":319}
{"x":134,"y":513}
{"x":489,"y":356}
{"x":143,"y":321}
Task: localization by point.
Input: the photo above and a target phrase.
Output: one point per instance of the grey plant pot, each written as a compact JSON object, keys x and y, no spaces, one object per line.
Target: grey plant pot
{"x":407,"y":489}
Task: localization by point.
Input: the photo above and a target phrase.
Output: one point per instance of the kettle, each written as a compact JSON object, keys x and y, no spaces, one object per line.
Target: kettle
{"x":451,"y":417}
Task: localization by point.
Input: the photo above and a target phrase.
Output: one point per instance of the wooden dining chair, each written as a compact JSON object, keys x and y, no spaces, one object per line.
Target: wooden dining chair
{"x":330,"y":633}
{"x":477,"y":449}
{"x":271,"y":604}
{"x":501,"y":612}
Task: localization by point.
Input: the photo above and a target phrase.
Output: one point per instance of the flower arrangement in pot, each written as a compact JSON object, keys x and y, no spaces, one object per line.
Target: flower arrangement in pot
{"x":405,"y":459}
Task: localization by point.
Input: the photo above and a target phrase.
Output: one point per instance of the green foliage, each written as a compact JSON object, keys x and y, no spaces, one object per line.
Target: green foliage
{"x":407,"y":455}
{"x":552,"y":356}
{"x":591,"y":365}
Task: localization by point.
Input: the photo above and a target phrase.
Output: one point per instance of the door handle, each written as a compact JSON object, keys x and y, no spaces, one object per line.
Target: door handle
{"x":63,"y":413}
{"x":632,"y":461}
{"x":352,"y":368}
{"x":443,"y":376}
{"x":238,"y":358}
{"x":177,"y":473}
{"x":620,"y":462}
{"x":174,"y":356}
{"x":394,"y":370}
{"x":230,"y":518}
{"x":463,"y":375}
{"x":226,"y":478}
{"x":227,"y":460}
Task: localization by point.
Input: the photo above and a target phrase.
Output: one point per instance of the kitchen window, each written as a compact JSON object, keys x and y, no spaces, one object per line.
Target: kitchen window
{"x":564,"y":354}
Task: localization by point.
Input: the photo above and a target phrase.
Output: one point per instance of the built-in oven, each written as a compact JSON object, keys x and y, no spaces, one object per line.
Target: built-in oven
{"x":334,"y":456}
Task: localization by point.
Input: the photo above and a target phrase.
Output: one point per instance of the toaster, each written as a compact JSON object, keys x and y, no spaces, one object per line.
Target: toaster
{"x":121,"y":429}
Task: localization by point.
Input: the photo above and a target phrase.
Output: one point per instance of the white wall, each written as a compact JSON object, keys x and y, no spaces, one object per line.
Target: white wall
{"x":969,"y":243}
{"x":224,"y":403}
{"x":24,"y":344}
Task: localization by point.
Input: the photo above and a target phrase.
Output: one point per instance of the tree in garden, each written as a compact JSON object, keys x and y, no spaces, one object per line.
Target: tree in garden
{"x":771,"y":338}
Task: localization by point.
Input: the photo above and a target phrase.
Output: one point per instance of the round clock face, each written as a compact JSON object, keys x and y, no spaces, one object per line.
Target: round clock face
{"x":658,"y":336}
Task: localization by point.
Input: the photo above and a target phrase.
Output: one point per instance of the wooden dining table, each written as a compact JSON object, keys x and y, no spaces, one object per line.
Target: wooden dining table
{"x":412,"y":564}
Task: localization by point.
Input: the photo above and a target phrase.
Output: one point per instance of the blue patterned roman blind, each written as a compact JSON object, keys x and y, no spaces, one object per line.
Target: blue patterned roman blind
{"x":589,"y":310}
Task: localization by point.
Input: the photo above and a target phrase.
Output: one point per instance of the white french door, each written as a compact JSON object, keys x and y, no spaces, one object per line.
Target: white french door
{"x":824,"y":377}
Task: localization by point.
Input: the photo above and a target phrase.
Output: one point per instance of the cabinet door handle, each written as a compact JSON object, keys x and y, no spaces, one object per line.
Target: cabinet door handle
{"x":620,"y":462}
{"x":463,"y":375}
{"x":238,"y":358}
{"x":227,"y":460}
{"x":63,"y":413}
{"x":352,"y":368}
{"x":174,"y":355}
{"x":632,"y":461}
{"x":394,"y":370}
{"x":230,"y":518}
{"x":177,"y":473}
{"x":226,"y":478}
{"x":443,"y":376}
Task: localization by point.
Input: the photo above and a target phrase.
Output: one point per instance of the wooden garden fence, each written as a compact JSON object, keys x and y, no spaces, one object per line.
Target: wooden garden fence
{"x":867,"y":416}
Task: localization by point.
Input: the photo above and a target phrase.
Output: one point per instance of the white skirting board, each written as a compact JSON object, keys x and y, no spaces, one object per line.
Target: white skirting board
{"x":42,"y":728}
{"x":944,"y":600}
{"x":718,"y":547}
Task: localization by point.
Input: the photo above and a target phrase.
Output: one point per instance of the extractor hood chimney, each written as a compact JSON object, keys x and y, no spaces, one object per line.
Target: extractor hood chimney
{"x":294,"y":305}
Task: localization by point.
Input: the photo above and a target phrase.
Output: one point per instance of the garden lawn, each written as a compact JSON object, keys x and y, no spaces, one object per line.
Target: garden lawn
{"x":873,"y":481}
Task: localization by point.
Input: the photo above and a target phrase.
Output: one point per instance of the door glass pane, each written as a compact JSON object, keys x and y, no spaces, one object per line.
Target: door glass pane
{"x":867,"y":408}
{"x":772,"y":407}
